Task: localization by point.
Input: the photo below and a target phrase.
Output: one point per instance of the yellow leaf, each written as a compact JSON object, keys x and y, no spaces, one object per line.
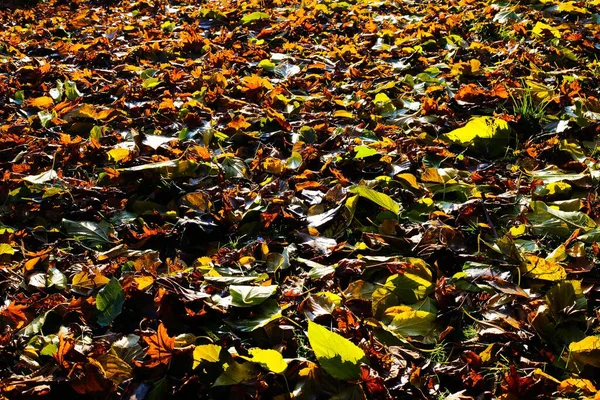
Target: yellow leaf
{"x":541,"y":268}
{"x":470,"y":67}
{"x":556,"y":188}
{"x":540,"y":91}
{"x":486,"y":355}
{"x":239,"y":123}
{"x":6,"y":248}
{"x":410,"y":179}
{"x":206,"y":352}
{"x":144,"y":282}
{"x":540,"y":28}
{"x":115,"y":368}
{"x":570,"y":7}
{"x":480,"y":128}
{"x":586,"y":351}
{"x":82,"y":280}
{"x":431,"y":175}
{"x":43,"y":102}
{"x":572,"y":385}
{"x":517,"y":231}
{"x":343,"y":114}
{"x":118,"y":154}
{"x":269,"y":359}
{"x":542,"y":374}
{"x":197,"y":200}
{"x":273,"y":165}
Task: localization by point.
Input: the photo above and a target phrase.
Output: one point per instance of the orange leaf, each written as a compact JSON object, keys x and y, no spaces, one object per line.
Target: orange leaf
{"x":203,"y":152}
{"x":30,"y":264}
{"x":239,"y":123}
{"x":43,"y":102}
{"x":160,"y":347}
{"x":15,"y":313}
{"x":255,"y":82}
{"x":66,"y":344}
{"x":499,"y":90}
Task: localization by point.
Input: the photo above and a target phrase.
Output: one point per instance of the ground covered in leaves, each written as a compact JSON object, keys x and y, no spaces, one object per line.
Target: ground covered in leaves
{"x":285,"y":199}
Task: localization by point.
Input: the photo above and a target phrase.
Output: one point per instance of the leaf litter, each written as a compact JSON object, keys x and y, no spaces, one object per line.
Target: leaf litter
{"x":299,"y":199}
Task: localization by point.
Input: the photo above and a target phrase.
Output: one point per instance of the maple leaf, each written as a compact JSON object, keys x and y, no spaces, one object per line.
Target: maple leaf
{"x":160,"y":347}
{"x":15,"y":313}
{"x":239,"y":123}
{"x":254,"y":83}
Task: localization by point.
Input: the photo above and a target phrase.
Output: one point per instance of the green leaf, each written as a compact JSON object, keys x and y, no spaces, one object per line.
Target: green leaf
{"x":110,"y":302}
{"x":294,"y":161}
{"x":553,"y":174}
{"x":269,"y":359}
{"x":206,"y":352}
{"x":268,"y":311}
{"x":248,"y":296}
{"x":383,"y":298}
{"x":376,"y":197}
{"x":234,"y":168}
{"x":317,"y":270}
{"x":573,"y":149}
{"x":168,"y":26}
{"x":233,"y":280}
{"x":35,"y":326}
{"x":236,"y":374}
{"x":411,"y":286}
{"x":19,"y":97}
{"x":338,"y":356}
{"x":71,"y":90}
{"x":151,"y":82}
{"x":165,"y":168}
{"x":254,"y":17}
{"x":49,"y":350}
{"x":45,"y":118}
{"x":87,"y":231}
{"x":267,"y":65}
{"x":413,"y":323}
{"x":565,"y":297}
{"x":96,"y":132}
{"x":364,"y":151}
{"x":381,"y":99}
{"x":56,"y":279}
{"x":549,"y":220}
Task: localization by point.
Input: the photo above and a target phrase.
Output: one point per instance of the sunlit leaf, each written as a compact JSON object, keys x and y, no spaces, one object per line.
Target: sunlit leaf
{"x":43,"y":177}
{"x":337,"y":355}
{"x":87,"y":231}
{"x":586,"y":351}
{"x":254,"y":17}
{"x":248,"y":296}
{"x":541,"y":28}
{"x":376,"y":197}
{"x":484,"y":134}
{"x":236,"y":373}
{"x":206,"y":352}
{"x":269,"y":359}
{"x":109,"y":302}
